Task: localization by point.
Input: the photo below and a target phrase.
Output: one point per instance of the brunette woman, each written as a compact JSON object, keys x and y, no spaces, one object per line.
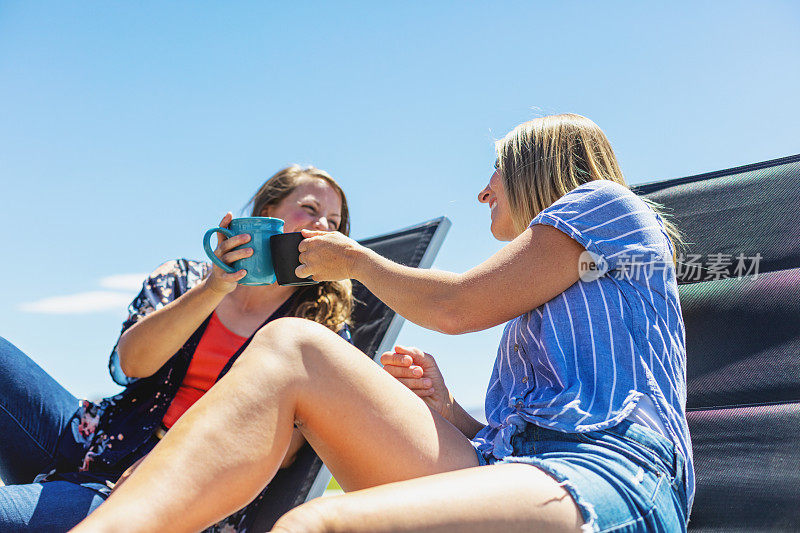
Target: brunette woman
{"x":184,"y":330}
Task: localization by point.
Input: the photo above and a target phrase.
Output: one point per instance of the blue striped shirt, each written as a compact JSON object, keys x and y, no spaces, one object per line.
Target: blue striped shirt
{"x":610,"y":347}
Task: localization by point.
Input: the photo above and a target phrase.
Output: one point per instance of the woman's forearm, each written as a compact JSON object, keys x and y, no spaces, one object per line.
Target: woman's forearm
{"x":465,"y":422}
{"x":442,"y":301}
{"x":426,"y":297}
{"x":148,"y":344}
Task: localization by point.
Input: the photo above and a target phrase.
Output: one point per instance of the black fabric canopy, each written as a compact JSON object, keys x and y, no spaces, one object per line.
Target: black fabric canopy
{"x":742,"y":340}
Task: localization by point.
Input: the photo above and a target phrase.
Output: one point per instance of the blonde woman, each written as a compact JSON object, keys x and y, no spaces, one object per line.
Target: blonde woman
{"x":587,"y":427}
{"x":184,"y":330}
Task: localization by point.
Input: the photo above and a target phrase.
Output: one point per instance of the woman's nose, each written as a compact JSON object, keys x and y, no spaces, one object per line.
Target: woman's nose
{"x":484,"y":195}
{"x":321,"y":223}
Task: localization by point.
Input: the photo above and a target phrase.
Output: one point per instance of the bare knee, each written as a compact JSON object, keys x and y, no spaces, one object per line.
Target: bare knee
{"x":288,"y":331}
{"x":286,"y":342}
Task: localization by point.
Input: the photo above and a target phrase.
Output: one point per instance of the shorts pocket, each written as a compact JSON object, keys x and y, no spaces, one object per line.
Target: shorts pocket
{"x":635,"y":452}
{"x":660,"y":518}
{"x":658,"y":457}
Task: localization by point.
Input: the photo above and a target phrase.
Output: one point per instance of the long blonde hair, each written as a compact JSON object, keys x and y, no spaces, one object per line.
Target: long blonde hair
{"x":331,"y":302}
{"x":542,"y":160}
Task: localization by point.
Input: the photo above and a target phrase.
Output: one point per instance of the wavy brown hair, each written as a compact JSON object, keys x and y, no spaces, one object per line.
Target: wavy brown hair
{"x":542,"y":160}
{"x":331,"y":302}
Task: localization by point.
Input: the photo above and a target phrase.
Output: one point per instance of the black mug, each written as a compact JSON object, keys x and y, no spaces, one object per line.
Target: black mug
{"x":286,"y":258}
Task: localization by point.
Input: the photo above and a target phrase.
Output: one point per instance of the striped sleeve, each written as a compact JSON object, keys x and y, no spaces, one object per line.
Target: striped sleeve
{"x":609,"y":221}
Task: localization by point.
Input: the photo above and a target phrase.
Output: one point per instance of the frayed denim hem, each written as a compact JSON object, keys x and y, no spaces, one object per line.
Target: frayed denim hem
{"x":586,"y":508}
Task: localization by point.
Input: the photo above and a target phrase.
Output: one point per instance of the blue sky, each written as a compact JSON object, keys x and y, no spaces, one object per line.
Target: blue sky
{"x":127,"y":129}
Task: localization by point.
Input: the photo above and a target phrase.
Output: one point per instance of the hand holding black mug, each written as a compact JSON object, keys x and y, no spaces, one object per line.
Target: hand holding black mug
{"x":286,"y":258}
{"x":329,"y":256}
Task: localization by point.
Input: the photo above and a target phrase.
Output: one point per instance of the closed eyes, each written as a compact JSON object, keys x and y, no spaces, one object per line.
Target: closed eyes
{"x":314,"y":210}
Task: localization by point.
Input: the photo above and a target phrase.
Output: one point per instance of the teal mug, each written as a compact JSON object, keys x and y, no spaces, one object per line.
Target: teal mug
{"x":260,"y":270}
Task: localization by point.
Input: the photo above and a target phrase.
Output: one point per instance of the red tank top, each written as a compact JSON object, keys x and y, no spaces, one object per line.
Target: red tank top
{"x":216,"y":347}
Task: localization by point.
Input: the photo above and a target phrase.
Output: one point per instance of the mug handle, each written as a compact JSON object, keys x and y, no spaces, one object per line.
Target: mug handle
{"x":210,"y":253}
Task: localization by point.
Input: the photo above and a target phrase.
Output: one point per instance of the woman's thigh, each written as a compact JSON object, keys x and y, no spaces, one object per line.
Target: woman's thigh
{"x":367,"y":427}
{"x":508,"y":498}
{"x":55,"y":506}
{"x":34,"y":409}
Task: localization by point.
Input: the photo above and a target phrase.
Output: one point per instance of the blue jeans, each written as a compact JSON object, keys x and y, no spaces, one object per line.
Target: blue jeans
{"x":34,"y":411}
{"x":624,"y":479}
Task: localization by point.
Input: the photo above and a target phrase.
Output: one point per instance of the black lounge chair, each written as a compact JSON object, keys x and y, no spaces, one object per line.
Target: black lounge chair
{"x":742,"y":341}
{"x":375,"y":328}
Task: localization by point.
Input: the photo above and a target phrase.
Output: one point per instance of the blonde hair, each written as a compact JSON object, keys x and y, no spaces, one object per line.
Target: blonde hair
{"x":329,"y":303}
{"x":542,"y":160}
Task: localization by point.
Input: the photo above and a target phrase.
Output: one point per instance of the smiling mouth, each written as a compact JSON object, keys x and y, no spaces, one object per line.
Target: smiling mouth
{"x":492,"y":205}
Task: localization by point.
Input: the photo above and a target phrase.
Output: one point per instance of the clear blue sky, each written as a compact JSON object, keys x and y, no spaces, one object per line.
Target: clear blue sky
{"x":127,"y":129}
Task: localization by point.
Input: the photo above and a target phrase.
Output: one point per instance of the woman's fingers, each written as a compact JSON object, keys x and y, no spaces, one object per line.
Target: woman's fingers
{"x":417,"y":355}
{"x":404,"y":371}
{"x":393,"y":358}
{"x":226,"y":220}
{"x":231,"y":277}
{"x":409,"y":350}
{"x":417,"y":384}
{"x":228,"y":250}
{"x":225,"y":245}
{"x":221,"y":280}
{"x":303,"y":271}
{"x":312,"y":233}
{"x":235,"y":255}
{"x":306,"y":257}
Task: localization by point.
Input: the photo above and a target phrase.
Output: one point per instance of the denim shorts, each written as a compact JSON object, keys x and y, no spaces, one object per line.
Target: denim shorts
{"x":624,"y":479}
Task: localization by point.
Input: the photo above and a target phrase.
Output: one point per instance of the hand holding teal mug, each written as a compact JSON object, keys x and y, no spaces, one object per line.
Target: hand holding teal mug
{"x":259,"y":265}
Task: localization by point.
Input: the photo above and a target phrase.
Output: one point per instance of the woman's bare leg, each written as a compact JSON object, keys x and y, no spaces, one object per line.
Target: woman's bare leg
{"x":367,"y":427}
{"x":506,"y":497}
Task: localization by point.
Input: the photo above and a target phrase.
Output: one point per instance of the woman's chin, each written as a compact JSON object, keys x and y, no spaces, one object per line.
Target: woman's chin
{"x":500,"y":235}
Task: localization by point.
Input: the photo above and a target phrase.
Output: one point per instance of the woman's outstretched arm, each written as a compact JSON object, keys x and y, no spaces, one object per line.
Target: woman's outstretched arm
{"x":532,"y":269}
